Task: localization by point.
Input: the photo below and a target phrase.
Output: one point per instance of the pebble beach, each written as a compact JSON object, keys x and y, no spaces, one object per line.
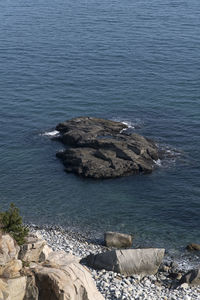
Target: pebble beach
{"x":114,"y":286}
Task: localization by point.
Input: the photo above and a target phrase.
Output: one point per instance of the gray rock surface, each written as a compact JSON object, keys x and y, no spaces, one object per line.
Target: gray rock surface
{"x":99,"y":148}
{"x":128,"y":262}
{"x":118,"y":240}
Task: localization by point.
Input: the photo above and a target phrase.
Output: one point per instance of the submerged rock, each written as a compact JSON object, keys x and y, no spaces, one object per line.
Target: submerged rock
{"x":118,"y":240}
{"x":99,"y":148}
{"x":193,"y":247}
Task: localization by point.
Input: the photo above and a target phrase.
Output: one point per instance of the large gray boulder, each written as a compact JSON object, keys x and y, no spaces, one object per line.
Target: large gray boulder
{"x":128,"y":262}
{"x":118,"y":240}
{"x":101,"y":148}
{"x":192,"y":277}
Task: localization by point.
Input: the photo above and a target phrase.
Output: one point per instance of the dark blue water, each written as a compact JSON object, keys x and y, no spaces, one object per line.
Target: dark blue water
{"x":135,"y":61}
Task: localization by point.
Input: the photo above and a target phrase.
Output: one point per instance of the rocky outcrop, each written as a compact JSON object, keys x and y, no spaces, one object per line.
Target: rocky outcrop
{"x":99,"y":148}
{"x":11,"y":269}
{"x":13,"y":288}
{"x":60,"y":277}
{"x":8,"y":249}
{"x":127,"y":262}
{"x":35,"y":249}
{"x":118,"y":240}
{"x":192,"y":277}
{"x":63,"y":278}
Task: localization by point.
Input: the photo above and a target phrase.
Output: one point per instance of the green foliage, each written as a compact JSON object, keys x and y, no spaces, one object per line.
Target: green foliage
{"x":11,"y":222}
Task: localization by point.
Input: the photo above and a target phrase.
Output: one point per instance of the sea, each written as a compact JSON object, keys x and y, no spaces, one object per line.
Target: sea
{"x":134,"y":61}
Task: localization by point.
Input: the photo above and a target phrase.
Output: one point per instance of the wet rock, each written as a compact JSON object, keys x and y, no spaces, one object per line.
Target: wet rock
{"x":128,"y":262}
{"x":118,"y":240}
{"x":193,"y":247}
{"x":99,"y":148}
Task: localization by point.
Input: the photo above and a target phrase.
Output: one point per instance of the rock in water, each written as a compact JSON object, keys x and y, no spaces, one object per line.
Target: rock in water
{"x":193,"y":247}
{"x":128,"y":262}
{"x":118,"y":240}
{"x":99,"y":148}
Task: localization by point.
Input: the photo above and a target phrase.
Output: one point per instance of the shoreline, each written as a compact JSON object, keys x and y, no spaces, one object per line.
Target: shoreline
{"x":113,"y":285}
{"x":186,"y":260}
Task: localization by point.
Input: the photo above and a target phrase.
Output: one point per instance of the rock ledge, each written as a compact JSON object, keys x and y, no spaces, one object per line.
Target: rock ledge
{"x":99,"y":148}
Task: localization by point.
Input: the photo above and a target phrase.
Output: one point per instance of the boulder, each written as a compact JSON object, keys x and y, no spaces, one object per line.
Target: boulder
{"x":65,"y":279}
{"x":118,"y":240}
{"x":99,"y":148}
{"x":193,"y":247}
{"x":13,"y":289}
{"x":8,"y":249}
{"x":192,"y":277}
{"x":46,"y":251}
{"x":128,"y":262}
{"x":11,"y":269}
{"x":32,"y":249}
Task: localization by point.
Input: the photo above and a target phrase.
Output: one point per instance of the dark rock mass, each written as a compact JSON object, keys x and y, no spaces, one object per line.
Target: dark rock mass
{"x":99,"y":148}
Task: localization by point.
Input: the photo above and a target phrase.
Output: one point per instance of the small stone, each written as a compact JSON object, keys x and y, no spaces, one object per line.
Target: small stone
{"x":184,"y":285}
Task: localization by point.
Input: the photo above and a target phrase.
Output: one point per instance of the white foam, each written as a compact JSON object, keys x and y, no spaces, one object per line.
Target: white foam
{"x":158,"y":162}
{"x":129,"y":124}
{"x":51,"y":133}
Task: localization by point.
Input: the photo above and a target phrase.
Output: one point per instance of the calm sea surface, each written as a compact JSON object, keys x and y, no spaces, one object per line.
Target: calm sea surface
{"x":135,"y":61}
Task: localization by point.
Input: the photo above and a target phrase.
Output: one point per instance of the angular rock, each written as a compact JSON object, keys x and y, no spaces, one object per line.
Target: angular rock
{"x":65,"y":282}
{"x":8,"y":249}
{"x":46,"y":251}
{"x":11,"y":269}
{"x":193,"y":247}
{"x":101,"y":148}
{"x":32,"y":250}
{"x":13,"y":289}
{"x":118,"y":240}
{"x":192,"y":277}
{"x":128,"y":262}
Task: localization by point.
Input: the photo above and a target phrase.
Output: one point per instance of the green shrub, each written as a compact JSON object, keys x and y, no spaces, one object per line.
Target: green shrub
{"x":11,"y":222}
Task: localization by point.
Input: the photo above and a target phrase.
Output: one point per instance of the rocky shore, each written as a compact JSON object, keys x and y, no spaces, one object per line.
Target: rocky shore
{"x":164,"y":285}
{"x":55,"y":264}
